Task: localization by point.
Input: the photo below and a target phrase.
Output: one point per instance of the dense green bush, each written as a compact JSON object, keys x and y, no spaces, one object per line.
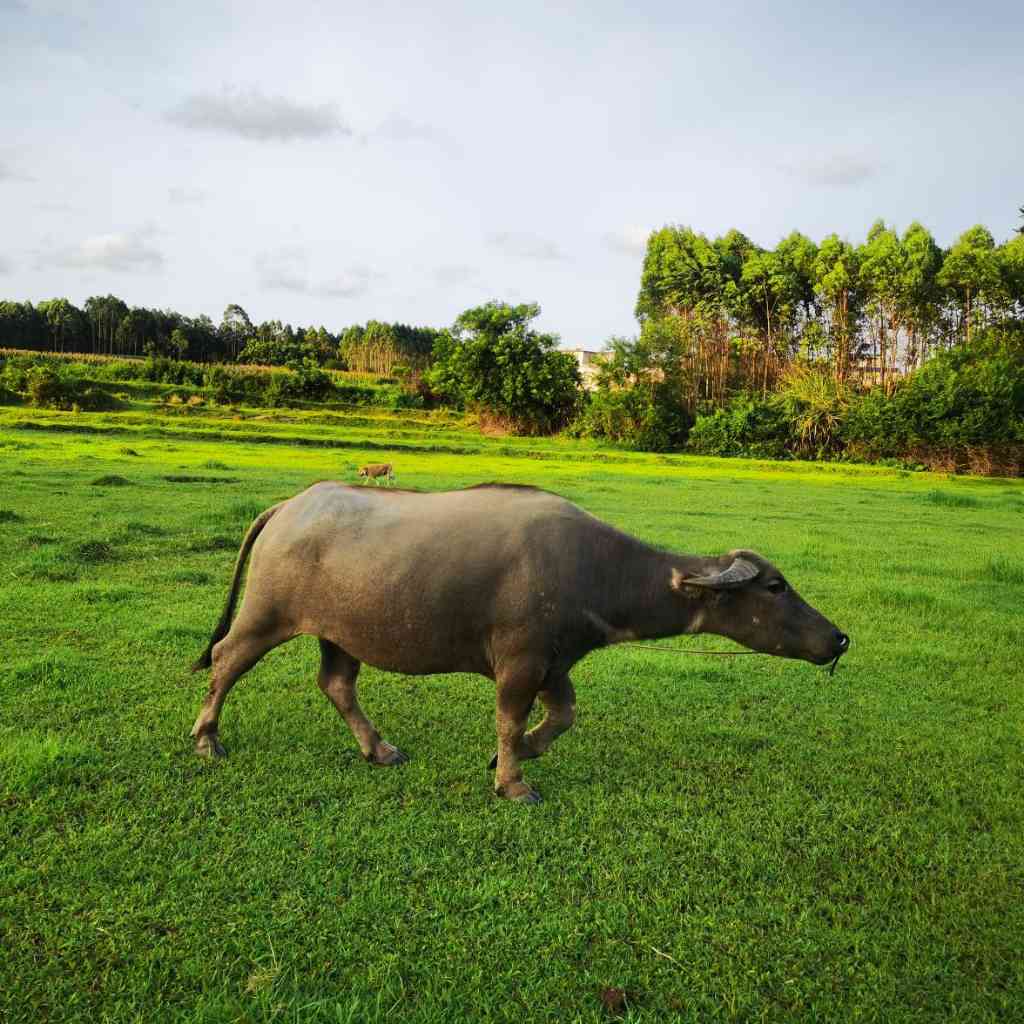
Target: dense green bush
{"x":494,"y":362}
{"x":634,"y":417}
{"x":50,"y":388}
{"x":968,"y":396}
{"x":305,"y":382}
{"x":747,"y":426}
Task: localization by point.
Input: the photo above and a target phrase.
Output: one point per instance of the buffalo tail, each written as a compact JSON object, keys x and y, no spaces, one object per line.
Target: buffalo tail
{"x":205,"y":660}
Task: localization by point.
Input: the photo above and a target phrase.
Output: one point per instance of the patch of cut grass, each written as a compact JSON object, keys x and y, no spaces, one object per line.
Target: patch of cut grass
{"x":134,"y":528}
{"x":31,"y":762}
{"x":57,"y":670}
{"x":1005,"y":570}
{"x":49,"y":564}
{"x":193,"y":576}
{"x":216,"y":543}
{"x":106,"y":595}
{"x":950,"y":500}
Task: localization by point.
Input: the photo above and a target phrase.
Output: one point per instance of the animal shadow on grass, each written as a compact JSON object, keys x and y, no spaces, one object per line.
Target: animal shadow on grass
{"x":9,"y":516}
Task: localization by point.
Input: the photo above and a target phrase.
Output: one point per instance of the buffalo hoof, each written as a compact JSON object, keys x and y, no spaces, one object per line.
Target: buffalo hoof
{"x":210,"y":746}
{"x":518,"y":792}
{"x":386,"y":755}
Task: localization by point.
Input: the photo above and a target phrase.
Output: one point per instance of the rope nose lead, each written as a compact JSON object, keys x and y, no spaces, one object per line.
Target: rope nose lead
{"x":720,"y":654}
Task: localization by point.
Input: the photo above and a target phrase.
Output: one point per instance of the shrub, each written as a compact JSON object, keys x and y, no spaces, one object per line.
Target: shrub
{"x":965,"y":397}
{"x":748,"y":426}
{"x":494,"y":362}
{"x":49,"y":389}
{"x":634,"y":417}
{"x":816,"y":404}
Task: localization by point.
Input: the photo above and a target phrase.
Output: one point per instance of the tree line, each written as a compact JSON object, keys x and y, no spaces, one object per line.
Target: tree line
{"x":107,"y":325}
{"x":731,"y":315}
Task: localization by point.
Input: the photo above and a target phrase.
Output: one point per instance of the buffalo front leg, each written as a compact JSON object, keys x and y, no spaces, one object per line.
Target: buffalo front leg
{"x":559,"y":700}
{"x":338,"y":672}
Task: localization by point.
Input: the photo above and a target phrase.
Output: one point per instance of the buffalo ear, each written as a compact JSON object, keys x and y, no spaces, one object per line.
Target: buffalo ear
{"x":740,"y":572}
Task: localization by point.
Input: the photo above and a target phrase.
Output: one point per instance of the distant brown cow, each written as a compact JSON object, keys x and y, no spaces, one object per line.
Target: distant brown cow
{"x":376,"y":470}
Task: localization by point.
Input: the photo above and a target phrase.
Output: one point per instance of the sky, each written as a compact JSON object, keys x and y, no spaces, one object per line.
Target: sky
{"x":329,"y":163}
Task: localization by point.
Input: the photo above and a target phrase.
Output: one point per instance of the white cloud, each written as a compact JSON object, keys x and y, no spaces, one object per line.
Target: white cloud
{"x":835,"y":170}
{"x":453,"y":274}
{"x":252,"y":115}
{"x":184,"y":196}
{"x":401,"y":129}
{"x":10,"y":173}
{"x":287,"y":269}
{"x":631,"y":240}
{"x":526,"y":246}
{"x":128,"y":251}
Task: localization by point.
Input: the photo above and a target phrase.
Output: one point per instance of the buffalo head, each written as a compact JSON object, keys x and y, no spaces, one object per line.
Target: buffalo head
{"x":744,"y":597}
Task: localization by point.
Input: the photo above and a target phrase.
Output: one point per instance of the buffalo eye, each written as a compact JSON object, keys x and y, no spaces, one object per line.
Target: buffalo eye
{"x":776,"y":587}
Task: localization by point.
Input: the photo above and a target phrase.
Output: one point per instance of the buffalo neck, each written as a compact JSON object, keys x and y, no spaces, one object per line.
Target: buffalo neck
{"x":637,"y":598}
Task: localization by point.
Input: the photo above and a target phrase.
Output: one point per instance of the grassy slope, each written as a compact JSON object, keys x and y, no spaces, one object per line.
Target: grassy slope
{"x":724,"y":839}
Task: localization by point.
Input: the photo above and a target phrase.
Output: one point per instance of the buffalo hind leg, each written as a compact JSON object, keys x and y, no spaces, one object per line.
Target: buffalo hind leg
{"x":517,"y":689}
{"x":337,"y":679}
{"x":231,"y":658}
{"x":559,"y":700}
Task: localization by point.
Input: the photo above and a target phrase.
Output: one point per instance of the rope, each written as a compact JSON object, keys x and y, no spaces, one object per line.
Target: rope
{"x":676,"y":650}
{"x":715,"y":654}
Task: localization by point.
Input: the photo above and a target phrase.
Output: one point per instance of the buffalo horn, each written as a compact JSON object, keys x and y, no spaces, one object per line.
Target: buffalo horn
{"x":735,"y":576}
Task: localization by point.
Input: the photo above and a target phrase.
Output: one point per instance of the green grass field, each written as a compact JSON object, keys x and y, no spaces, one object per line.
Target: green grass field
{"x":723,"y":839}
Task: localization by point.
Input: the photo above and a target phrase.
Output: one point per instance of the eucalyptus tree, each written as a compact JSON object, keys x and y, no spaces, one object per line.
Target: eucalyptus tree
{"x":235,"y":329}
{"x":1011,"y":269}
{"x":23,"y":326}
{"x":796,"y":255}
{"x":137,"y":333}
{"x":919,"y":300}
{"x":882,"y":264}
{"x":66,"y":324}
{"x":105,"y":313}
{"x":691,"y":280}
{"x":774,"y":289}
{"x":682,"y":275}
{"x":836,"y":277}
{"x":970,"y":272}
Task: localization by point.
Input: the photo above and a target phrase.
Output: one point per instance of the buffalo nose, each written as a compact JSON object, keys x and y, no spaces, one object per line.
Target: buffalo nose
{"x":842,"y":642}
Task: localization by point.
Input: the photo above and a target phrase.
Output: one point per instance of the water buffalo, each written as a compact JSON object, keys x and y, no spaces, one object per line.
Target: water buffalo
{"x":376,"y":470}
{"x":514,"y":583}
